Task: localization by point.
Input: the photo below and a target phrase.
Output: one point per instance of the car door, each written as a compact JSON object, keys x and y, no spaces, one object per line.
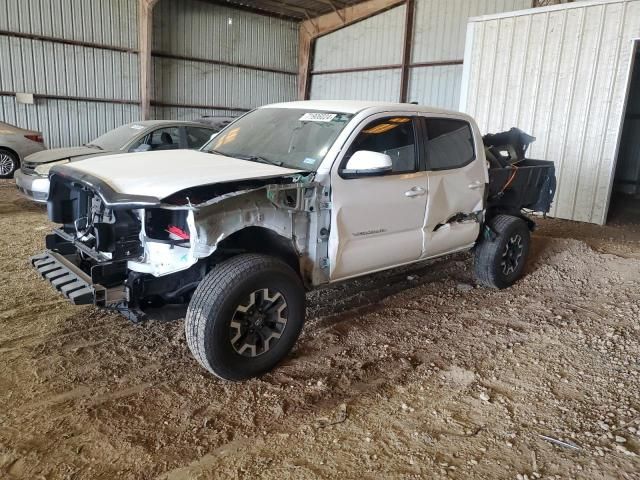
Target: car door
{"x":456,"y":182}
{"x":377,"y":221}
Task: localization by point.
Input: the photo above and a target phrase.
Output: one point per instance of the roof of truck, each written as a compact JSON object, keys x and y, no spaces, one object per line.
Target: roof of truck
{"x":355,"y":106}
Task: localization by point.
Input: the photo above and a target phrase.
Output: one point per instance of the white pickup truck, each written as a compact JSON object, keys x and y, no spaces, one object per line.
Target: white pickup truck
{"x":285,"y":199}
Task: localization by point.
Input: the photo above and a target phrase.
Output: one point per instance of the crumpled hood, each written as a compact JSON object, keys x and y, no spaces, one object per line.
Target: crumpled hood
{"x":46,"y":156}
{"x":160,"y":174}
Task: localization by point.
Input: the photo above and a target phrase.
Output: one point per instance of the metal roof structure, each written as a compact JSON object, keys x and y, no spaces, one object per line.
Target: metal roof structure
{"x":292,"y":9}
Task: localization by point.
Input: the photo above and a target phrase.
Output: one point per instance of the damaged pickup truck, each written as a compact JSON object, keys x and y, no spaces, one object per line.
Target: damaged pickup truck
{"x":285,"y":199}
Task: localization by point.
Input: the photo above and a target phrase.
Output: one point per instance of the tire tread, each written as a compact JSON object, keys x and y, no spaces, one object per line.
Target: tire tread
{"x":212,"y":291}
{"x":485,"y":253}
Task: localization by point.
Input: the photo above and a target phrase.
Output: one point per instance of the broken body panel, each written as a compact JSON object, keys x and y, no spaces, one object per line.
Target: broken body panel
{"x":289,"y":206}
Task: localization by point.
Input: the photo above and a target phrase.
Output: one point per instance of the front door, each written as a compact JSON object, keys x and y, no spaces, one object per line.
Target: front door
{"x":377,"y":222}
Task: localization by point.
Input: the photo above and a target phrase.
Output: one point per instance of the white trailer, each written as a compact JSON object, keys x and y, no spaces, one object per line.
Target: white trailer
{"x":563,"y":74}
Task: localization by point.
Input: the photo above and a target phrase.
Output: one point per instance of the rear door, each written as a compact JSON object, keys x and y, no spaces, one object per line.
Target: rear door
{"x":376,"y":222}
{"x":456,"y":177}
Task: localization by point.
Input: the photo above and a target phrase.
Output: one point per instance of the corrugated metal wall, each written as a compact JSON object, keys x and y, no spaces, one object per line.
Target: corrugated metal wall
{"x":382,"y":85}
{"x":560,"y":73}
{"x":88,"y":52}
{"x":376,"y":41}
{"x":207,"y":55}
{"x":107,"y":22}
{"x":436,"y":86}
{"x":438,"y":37}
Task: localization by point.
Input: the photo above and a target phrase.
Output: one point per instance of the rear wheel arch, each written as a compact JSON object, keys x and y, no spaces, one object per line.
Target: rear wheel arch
{"x":501,"y":255}
{"x":11,"y":150}
{"x":16,"y":159}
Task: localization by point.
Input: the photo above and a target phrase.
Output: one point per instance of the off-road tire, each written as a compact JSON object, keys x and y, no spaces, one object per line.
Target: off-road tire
{"x":216,"y":301}
{"x":490,"y":254}
{"x":9,"y":157}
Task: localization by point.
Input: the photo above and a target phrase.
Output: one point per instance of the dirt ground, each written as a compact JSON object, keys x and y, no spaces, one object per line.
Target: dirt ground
{"x":410,"y":374}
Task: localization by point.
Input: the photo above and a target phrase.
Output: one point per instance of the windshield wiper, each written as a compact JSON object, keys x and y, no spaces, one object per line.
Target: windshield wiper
{"x":255,"y":158}
{"x":250,"y":158}
{"x":216,"y":152}
{"x":93,"y":145}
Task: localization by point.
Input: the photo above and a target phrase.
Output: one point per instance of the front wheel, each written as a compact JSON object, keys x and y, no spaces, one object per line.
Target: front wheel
{"x":245,"y":316}
{"x":500,"y":261}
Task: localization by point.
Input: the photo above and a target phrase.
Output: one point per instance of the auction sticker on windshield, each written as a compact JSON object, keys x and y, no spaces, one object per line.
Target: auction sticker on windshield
{"x":317,"y":117}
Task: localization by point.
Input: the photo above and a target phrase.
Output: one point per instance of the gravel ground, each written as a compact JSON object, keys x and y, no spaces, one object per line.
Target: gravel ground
{"x":414,"y":373}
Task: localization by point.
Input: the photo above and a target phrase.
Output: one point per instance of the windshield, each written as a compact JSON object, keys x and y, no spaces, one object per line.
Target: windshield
{"x":118,"y":137}
{"x":293,"y":138}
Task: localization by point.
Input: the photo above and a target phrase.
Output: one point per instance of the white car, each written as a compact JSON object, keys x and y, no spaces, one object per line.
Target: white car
{"x":32,"y":180}
{"x":15,"y":144}
{"x":288,"y":198}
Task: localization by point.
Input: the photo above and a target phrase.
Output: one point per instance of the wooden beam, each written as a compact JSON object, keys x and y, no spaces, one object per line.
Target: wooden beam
{"x":329,"y":22}
{"x":145,"y":25}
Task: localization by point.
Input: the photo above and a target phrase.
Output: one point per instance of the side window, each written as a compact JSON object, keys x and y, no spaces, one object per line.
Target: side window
{"x":449,"y":144}
{"x":196,"y":137}
{"x":393,"y":136}
{"x":164,"y":139}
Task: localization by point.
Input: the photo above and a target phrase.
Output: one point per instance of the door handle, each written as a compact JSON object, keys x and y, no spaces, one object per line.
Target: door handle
{"x":415,"y":192}
{"x":476,"y":185}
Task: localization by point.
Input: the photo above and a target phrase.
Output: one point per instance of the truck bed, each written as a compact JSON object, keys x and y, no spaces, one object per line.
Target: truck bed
{"x":528,"y":184}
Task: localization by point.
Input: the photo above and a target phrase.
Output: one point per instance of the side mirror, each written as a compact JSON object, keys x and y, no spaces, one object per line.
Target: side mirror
{"x":364,"y":163}
{"x":143,"y":147}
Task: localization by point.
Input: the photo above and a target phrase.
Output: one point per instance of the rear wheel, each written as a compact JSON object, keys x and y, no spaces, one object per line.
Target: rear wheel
{"x":501,"y":261}
{"x":245,"y":316}
{"x":8,"y":163}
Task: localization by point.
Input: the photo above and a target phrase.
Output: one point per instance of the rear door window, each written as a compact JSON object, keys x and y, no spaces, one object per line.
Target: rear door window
{"x":165,"y":139}
{"x":197,"y":137}
{"x":449,"y":144}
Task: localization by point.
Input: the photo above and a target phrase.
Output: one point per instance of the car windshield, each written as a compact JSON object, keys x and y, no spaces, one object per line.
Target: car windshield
{"x":293,"y":138}
{"x":118,"y":137}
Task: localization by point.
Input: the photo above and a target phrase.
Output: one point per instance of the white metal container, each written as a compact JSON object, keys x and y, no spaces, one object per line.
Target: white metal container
{"x":562,"y":74}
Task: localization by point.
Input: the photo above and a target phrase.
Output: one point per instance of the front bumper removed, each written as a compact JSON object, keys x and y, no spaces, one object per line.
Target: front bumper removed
{"x":66,"y":277}
{"x":80,"y":288}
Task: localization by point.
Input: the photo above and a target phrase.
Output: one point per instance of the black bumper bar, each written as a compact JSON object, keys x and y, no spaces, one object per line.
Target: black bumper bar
{"x":67,"y":278}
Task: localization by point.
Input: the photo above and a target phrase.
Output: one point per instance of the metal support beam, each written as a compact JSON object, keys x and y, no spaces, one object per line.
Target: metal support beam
{"x":310,"y":30}
{"x":145,"y":25}
{"x":406,"y":51}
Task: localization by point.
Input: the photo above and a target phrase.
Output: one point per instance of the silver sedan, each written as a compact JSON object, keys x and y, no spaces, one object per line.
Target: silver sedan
{"x":15,"y":144}
{"x":32,"y":179}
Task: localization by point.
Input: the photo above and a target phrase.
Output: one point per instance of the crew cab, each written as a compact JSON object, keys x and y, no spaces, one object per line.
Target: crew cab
{"x":288,"y":198}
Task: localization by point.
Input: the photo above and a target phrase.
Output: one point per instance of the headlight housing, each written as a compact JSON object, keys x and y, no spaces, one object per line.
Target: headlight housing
{"x":44,"y":169}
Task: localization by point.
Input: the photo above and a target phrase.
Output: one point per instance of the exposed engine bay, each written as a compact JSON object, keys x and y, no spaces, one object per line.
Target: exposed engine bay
{"x":144,"y":252}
